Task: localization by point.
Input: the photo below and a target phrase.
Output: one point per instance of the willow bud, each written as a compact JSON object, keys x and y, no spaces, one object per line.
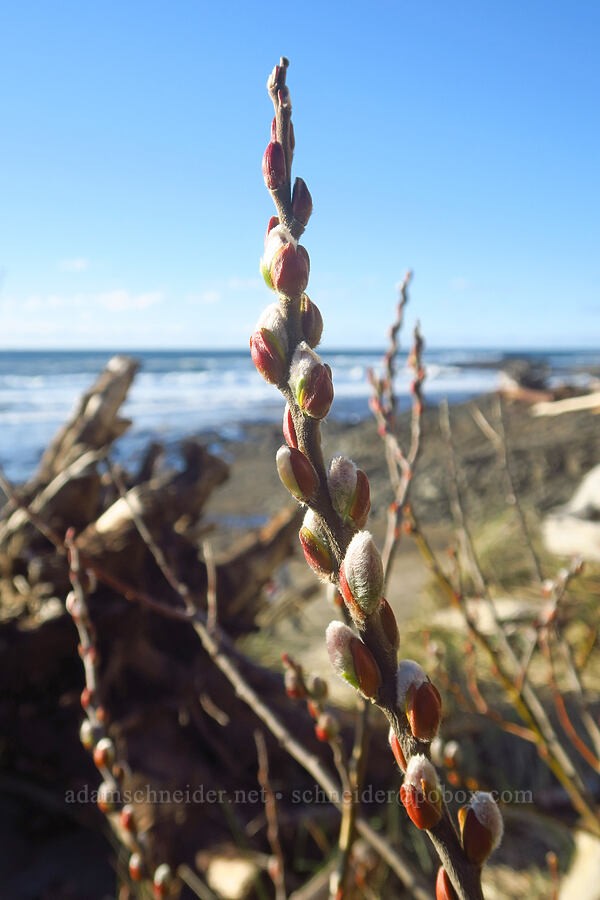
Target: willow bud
{"x":311,"y":382}
{"x":104,"y":753}
{"x":162,"y":881}
{"x":289,"y":429}
{"x":397,"y":749}
{"x":326,"y":727}
{"x":352,"y":660}
{"x":443,"y":886}
{"x":420,"y":793}
{"x":273,"y":165}
{"x":349,"y":491}
{"x":127,"y":819}
{"x":302,"y":204}
{"x":86,"y":734}
{"x":311,"y":321}
{"x":420,"y":699}
{"x":273,"y":223}
{"x":297,"y":473}
{"x":361,"y":577}
{"x":268,"y":345}
{"x":388,"y":623}
{"x":136,"y":867}
{"x":106,"y":799}
{"x":294,"y":687}
{"x":276,"y":237}
{"x":75,"y":607}
{"x":87,"y":697}
{"x":290,"y":269}
{"x":315,"y":546}
{"x":481,"y":827}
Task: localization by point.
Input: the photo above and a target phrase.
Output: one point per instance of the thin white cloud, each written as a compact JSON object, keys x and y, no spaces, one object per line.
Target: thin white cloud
{"x":233,"y":285}
{"x":460,"y":284}
{"x":77,"y":264}
{"x":122,"y":300}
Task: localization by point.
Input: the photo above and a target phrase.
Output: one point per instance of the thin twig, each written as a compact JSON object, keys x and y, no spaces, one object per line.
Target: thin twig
{"x":211,"y":585}
{"x":277,"y":871}
{"x":523,"y":698}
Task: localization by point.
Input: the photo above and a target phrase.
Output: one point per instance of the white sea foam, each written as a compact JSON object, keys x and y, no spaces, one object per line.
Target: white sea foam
{"x":179,"y":393}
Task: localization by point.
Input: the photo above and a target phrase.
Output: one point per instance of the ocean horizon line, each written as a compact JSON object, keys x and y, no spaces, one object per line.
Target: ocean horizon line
{"x":325,"y":348}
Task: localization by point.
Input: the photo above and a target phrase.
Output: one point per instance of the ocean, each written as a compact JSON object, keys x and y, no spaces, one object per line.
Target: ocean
{"x":214,"y":393}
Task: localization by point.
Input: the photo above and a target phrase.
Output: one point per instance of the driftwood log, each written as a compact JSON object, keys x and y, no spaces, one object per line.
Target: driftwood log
{"x":176,"y":721}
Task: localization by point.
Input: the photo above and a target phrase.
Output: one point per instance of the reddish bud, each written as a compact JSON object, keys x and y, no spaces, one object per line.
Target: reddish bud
{"x":289,"y":270}
{"x":313,"y":710}
{"x":297,"y":473}
{"x":420,"y":793}
{"x":352,"y":660}
{"x":276,"y":237}
{"x":104,"y":753}
{"x":289,"y":430}
{"x":268,"y":345}
{"x":127,"y":819}
{"x":397,"y":750}
{"x":349,"y":491}
{"x":420,"y":698}
{"x":274,"y":129}
{"x":87,"y":697}
{"x":302,"y":204}
{"x":367,"y":670}
{"x":106,"y":799}
{"x":293,"y":685}
{"x":267,"y":356}
{"x":315,"y":546}
{"x":311,"y":321}
{"x":86,"y":734}
{"x":326,"y":727}
{"x":361,"y":577}
{"x":481,"y":827}
{"x":424,"y":711}
{"x":273,"y":223}
{"x":162,"y":881}
{"x":388,"y":623}
{"x":136,"y":867}
{"x":101,"y":714}
{"x":311,"y":382}
{"x":273,"y":166}
{"x":443,"y":886}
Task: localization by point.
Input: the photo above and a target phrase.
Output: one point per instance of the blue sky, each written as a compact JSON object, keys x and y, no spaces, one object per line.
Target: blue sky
{"x":459,"y":139}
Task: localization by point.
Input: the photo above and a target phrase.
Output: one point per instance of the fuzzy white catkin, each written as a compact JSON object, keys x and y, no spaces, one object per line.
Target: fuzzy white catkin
{"x":272,"y":319}
{"x":303,"y":361}
{"x":486,"y":809}
{"x":409,"y":673}
{"x":420,"y":769}
{"x":364,"y":571}
{"x":337,"y":641}
{"x":341,"y":480}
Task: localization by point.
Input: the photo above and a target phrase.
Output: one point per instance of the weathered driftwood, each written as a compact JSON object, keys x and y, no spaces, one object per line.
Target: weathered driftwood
{"x":570,"y":404}
{"x":66,"y":486}
{"x":175,"y":719}
{"x":95,"y":423}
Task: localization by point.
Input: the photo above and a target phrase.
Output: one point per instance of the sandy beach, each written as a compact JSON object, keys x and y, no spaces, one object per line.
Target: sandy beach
{"x":549,"y":457}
